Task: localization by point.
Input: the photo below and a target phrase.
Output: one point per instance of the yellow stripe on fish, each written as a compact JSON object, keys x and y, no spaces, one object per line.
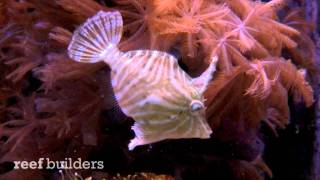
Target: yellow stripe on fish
{"x":150,"y":87}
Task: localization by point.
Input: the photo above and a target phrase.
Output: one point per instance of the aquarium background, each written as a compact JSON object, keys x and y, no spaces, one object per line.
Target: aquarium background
{"x":261,"y":103}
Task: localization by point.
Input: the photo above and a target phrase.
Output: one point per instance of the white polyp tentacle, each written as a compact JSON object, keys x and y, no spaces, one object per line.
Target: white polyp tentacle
{"x":78,"y":176}
{"x":61,"y":173}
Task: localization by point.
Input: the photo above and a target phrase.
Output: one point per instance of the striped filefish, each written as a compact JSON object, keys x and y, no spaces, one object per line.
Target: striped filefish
{"x":150,"y":87}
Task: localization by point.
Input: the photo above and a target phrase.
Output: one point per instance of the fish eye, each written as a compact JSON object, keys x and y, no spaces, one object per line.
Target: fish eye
{"x":196,"y":105}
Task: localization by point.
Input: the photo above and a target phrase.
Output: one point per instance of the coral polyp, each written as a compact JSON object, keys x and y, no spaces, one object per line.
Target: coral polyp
{"x":257,"y":102}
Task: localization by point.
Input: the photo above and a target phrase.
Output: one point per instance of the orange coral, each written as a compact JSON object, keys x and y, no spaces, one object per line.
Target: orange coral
{"x":264,"y":61}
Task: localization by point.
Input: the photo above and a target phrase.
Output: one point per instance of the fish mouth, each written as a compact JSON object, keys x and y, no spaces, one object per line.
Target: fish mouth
{"x":206,"y":134}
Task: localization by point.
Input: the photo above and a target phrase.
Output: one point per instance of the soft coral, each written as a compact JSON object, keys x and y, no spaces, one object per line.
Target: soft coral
{"x":191,"y":20}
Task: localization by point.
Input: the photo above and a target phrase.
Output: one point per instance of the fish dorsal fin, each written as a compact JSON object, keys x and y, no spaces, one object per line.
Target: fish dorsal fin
{"x":202,"y":81}
{"x":96,"y":38}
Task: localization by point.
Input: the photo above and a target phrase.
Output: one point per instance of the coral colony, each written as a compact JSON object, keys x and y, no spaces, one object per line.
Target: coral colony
{"x":185,"y":88}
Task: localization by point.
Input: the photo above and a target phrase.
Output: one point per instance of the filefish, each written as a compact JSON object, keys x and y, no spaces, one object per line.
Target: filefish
{"x":149,"y":86}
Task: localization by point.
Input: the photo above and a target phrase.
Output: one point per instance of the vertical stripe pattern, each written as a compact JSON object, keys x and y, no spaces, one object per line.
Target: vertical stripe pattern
{"x":149,"y":85}
{"x":152,"y":89}
{"x":96,"y":37}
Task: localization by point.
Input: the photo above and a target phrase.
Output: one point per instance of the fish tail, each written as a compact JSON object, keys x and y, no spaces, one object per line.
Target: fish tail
{"x":97,"y":39}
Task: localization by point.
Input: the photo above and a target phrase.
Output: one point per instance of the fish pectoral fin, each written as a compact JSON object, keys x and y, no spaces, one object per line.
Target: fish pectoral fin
{"x":202,"y":81}
{"x":96,"y":38}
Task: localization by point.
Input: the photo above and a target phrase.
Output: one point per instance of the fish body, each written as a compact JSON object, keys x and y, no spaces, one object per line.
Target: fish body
{"x":150,"y":87}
